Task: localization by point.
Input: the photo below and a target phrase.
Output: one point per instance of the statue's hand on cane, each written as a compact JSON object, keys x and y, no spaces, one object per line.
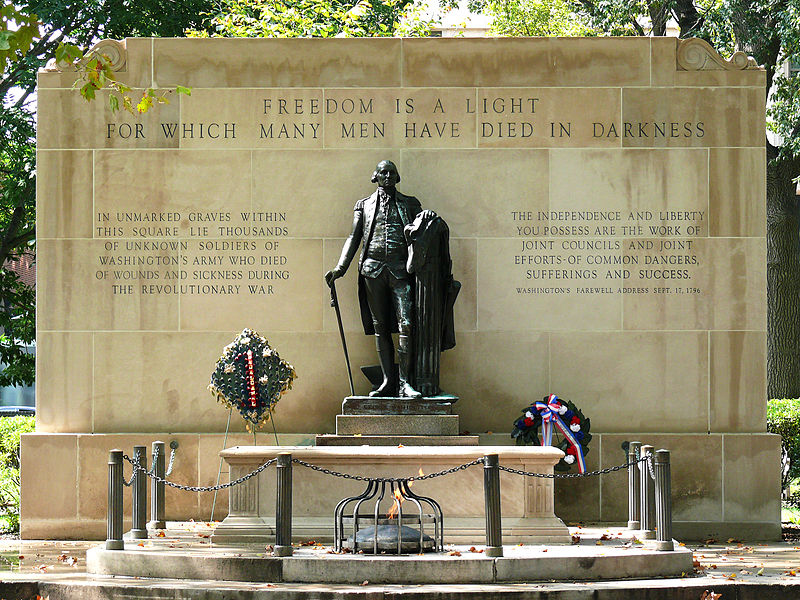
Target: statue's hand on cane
{"x":333,"y":275}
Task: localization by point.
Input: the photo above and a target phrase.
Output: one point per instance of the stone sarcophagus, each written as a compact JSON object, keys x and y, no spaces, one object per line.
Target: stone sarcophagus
{"x":526,"y":502}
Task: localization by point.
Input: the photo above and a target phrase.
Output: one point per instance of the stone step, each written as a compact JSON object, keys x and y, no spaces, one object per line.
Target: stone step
{"x":128,"y":588}
{"x":316,"y":565}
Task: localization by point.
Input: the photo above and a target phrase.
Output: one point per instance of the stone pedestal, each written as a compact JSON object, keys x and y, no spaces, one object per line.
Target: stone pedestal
{"x":378,"y":421}
{"x":526,"y":502}
{"x":369,"y":405}
{"x":397,"y":440}
{"x":397,"y":424}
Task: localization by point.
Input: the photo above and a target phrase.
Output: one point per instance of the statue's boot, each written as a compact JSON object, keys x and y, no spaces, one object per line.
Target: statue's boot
{"x":404,"y":363}
{"x":386,"y":357}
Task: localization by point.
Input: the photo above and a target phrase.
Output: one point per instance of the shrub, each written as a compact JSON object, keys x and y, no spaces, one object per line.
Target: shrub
{"x":11,"y":428}
{"x":783,"y":418}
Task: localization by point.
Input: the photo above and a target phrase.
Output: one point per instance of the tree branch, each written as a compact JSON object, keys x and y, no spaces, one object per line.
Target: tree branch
{"x":689,"y":20}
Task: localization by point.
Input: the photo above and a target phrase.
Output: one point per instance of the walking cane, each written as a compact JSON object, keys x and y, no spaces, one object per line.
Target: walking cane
{"x":335,"y":305}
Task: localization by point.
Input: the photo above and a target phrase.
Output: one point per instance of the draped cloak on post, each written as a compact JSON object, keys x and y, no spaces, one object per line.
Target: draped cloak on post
{"x":435,"y":294}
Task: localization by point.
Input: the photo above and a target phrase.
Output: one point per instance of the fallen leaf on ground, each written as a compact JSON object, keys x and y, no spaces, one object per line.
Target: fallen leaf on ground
{"x":474,"y":549}
{"x":710,"y":595}
{"x":604,"y":537}
{"x":734,"y":541}
{"x":365,"y":582}
{"x":161,"y":534}
{"x":454,"y":553}
{"x":760,"y":571}
{"x":576,"y":539}
{"x":598,"y":543}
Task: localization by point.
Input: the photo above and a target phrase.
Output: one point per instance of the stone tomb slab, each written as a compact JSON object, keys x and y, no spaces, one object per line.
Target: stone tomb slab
{"x":526,"y":502}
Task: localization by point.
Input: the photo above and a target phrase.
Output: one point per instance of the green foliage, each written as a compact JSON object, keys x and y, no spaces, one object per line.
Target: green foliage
{"x":315,"y":18}
{"x":11,"y":428}
{"x":17,"y":31}
{"x":535,"y":18}
{"x":614,"y":17}
{"x":17,"y":218}
{"x":17,"y":321}
{"x":783,"y":418}
{"x":94,"y":72}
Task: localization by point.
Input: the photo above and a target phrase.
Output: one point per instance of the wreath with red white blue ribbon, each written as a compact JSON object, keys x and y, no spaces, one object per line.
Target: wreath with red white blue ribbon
{"x":560,"y":419}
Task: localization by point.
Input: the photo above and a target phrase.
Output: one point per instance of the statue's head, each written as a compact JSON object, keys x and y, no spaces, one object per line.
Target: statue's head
{"x":386,"y":174}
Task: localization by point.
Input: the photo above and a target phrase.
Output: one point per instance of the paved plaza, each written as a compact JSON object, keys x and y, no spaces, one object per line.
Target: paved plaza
{"x":735,"y":569}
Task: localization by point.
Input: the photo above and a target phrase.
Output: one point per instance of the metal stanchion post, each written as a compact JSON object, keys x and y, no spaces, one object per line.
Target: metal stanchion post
{"x":157,"y":487}
{"x":114,"y":530}
{"x":634,"y":499}
{"x":283,"y":506}
{"x":491,"y":490}
{"x":663,"y":501}
{"x":648,"y":509}
{"x":139,"y":494}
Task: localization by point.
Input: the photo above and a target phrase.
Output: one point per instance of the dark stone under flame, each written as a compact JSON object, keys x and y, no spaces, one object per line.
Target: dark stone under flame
{"x":387,"y":539}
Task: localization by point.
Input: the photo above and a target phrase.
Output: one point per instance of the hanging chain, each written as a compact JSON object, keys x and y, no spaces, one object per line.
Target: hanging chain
{"x":171,"y":462}
{"x":303,"y":463}
{"x":193,"y":488}
{"x":575,"y":475}
{"x":156,"y":454}
{"x":650,"y":459}
{"x":197,"y":488}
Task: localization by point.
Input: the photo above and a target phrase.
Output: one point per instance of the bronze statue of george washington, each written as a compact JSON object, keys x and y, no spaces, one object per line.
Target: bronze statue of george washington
{"x":383,"y":225}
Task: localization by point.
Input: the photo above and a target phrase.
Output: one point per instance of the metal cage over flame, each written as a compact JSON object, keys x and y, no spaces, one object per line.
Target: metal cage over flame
{"x":374,"y":532}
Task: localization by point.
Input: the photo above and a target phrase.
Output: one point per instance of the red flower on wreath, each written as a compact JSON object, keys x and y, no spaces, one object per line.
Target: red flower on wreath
{"x":528,"y":421}
{"x":575,"y":420}
{"x":571,"y":450}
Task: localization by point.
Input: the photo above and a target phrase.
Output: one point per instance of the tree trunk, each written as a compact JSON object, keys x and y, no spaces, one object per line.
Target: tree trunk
{"x":783,"y":278}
